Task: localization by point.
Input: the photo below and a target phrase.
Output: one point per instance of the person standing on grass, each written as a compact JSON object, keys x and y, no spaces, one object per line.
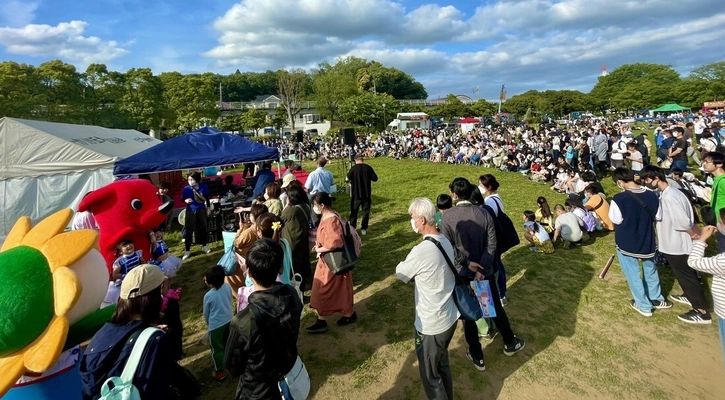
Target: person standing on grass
{"x":436,"y":313}
{"x":674,"y":239}
{"x":320,"y":180}
{"x":714,"y":163}
{"x":360,"y":177}
{"x":262,"y":345}
{"x":488,"y":185}
{"x":217,"y":314}
{"x":715,"y":266}
{"x":472,"y":231}
{"x":633,"y":213}
{"x":196,"y":196}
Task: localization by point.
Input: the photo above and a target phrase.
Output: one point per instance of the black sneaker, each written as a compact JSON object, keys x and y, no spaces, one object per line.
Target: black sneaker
{"x":659,"y":305}
{"x":695,"y":317}
{"x":347,"y":320}
{"x":514,"y":347}
{"x":318,"y":327}
{"x":680,"y":298}
{"x":476,"y":363}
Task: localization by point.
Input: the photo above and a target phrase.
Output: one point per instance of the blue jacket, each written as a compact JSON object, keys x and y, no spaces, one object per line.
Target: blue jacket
{"x":263,"y":178}
{"x":635,"y":236}
{"x":108,"y":351}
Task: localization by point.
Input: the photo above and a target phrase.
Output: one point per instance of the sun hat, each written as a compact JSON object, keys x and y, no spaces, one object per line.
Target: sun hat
{"x":287,"y":179}
{"x":141,"y":280}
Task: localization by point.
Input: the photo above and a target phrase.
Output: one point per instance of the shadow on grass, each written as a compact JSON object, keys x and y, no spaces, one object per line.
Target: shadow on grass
{"x":545,"y":293}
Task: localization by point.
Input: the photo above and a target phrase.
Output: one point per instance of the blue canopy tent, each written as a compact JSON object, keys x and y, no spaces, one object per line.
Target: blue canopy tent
{"x":195,"y":150}
{"x":206,"y":130}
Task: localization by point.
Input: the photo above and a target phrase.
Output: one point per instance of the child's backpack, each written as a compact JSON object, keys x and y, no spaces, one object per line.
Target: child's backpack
{"x":590,"y":221}
{"x":121,"y":388}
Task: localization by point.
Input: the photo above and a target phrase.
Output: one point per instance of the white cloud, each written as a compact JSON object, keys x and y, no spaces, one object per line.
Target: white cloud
{"x":64,"y":40}
{"x":15,"y":13}
{"x":527,"y":44}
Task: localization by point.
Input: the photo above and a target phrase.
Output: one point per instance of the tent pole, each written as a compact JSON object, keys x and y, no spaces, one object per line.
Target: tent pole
{"x":279,"y":170}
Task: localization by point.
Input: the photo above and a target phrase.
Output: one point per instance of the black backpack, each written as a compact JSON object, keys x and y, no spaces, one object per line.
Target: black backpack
{"x":506,"y":234}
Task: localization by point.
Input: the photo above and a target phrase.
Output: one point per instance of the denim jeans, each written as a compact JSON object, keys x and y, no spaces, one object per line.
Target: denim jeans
{"x":721,"y":328}
{"x":645,"y":283}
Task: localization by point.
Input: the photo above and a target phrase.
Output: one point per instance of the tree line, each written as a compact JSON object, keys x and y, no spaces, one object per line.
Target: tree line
{"x":351,"y":90}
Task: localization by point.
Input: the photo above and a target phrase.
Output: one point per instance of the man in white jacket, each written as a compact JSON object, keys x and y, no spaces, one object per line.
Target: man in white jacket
{"x":674,"y":239}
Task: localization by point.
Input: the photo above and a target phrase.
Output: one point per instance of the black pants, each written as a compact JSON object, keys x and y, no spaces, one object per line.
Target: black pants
{"x":501,"y":320}
{"x":248,"y":169}
{"x":355,"y":204}
{"x":195,"y":222}
{"x":688,"y":280}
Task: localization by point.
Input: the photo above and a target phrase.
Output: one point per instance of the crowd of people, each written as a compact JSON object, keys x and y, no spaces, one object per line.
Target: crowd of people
{"x":654,"y":216}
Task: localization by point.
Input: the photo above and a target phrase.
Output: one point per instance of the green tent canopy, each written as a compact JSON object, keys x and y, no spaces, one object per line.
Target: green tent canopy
{"x":671,"y":107}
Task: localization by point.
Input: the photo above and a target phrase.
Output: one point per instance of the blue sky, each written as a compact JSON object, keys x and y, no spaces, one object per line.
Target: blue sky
{"x":449,"y":46}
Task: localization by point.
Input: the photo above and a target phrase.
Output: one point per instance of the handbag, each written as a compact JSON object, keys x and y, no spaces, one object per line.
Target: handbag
{"x":296,"y":383}
{"x":295,"y":279}
{"x":342,"y":260}
{"x":312,"y":230}
{"x":463,"y":294}
{"x":229,"y":261}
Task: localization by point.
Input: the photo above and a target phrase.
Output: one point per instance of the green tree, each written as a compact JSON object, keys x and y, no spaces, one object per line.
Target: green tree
{"x":452,"y":108}
{"x":367,"y":109}
{"x":521,"y":103}
{"x":279,"y":120}
{"x":60,"y":92}
{"x":103,"y":91}
{"x":189,"y":98}
{"x":714,"y":75}
{"x":18,"y":87}
{"x":254,"y":120}
{"x":330,"y":89}
{"x":482,"y":107}
{"x":231,"y":123}
{"x":637,"y":86}
{"x":143,"y":98}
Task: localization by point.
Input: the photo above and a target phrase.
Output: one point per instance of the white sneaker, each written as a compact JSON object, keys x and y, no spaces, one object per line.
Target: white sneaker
{"x":206,"y":249}
{"x":364,"y":232}
{"x":186,"y":255}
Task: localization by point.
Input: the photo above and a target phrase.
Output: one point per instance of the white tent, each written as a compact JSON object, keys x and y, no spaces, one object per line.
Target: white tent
{"x":46,"y":166}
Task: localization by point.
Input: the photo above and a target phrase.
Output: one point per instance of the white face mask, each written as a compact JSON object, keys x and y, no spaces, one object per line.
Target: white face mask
{"x":266,"y":196}
{"x":316,"y":210}
{"x":412,"y":224}
{"x":192,"y":182}
{"x":482,"y":188}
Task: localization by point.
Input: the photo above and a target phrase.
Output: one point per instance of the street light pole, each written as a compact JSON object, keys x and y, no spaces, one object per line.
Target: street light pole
{"x":385,"y":126}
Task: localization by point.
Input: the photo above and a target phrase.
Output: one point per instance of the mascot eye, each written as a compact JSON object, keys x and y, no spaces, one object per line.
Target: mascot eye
{"x":136,"y":204}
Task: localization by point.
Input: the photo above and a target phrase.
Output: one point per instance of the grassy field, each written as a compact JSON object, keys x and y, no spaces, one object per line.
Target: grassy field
{"x":583,"y":340}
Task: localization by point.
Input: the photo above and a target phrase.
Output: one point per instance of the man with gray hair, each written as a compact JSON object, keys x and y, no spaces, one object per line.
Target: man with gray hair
{"x":436,"y":313}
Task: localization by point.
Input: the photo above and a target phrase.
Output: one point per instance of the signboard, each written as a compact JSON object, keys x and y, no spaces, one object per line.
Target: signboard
{"x":715,"y":104}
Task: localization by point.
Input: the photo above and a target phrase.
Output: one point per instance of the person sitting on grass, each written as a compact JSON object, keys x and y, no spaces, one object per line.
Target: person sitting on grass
{"x":543,"y":214}
{"x":596,"y":202}
{"x":536,"y":234}
{"x":566,"y":227}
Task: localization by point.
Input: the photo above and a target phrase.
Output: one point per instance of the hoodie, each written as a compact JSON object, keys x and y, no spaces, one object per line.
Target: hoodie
{"x":262,"y":344}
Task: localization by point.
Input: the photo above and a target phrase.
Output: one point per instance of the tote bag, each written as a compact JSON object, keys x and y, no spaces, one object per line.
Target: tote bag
{"x":343,"y":260}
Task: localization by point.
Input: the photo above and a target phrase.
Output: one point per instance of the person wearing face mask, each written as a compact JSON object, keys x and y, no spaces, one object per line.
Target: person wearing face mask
{"x":677,"y":154}
{"x":675,"y":233}
{"x":196,"y":197}
{"x":633,"y":213}
{"x":489,"y":185}
{"x":436,"y":313}
{"x":331,"y":294}
{"x":246,"y":236}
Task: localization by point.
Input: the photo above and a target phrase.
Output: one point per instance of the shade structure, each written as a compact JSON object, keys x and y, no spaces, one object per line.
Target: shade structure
{"x":196,"y":150}
{"x":671,"y":107}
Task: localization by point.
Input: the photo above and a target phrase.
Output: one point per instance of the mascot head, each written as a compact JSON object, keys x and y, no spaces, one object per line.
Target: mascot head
{"x":133,"y":200}
{"x":41,"y":290}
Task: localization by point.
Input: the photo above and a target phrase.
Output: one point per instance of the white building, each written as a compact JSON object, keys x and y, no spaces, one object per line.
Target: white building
{"x":414,"y":120}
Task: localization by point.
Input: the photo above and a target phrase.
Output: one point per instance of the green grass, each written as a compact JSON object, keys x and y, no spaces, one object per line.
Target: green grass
{"x":582,"y":338}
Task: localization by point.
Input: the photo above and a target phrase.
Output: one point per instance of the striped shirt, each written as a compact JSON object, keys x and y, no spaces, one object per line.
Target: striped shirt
{"x":128,"y":262}
{"x":711,"y":265}
{"x":161,"y":248}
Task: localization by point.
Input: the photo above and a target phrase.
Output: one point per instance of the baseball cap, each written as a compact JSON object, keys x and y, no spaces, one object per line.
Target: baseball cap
{"x":287,"y":179}
{"x":141,"y":280}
